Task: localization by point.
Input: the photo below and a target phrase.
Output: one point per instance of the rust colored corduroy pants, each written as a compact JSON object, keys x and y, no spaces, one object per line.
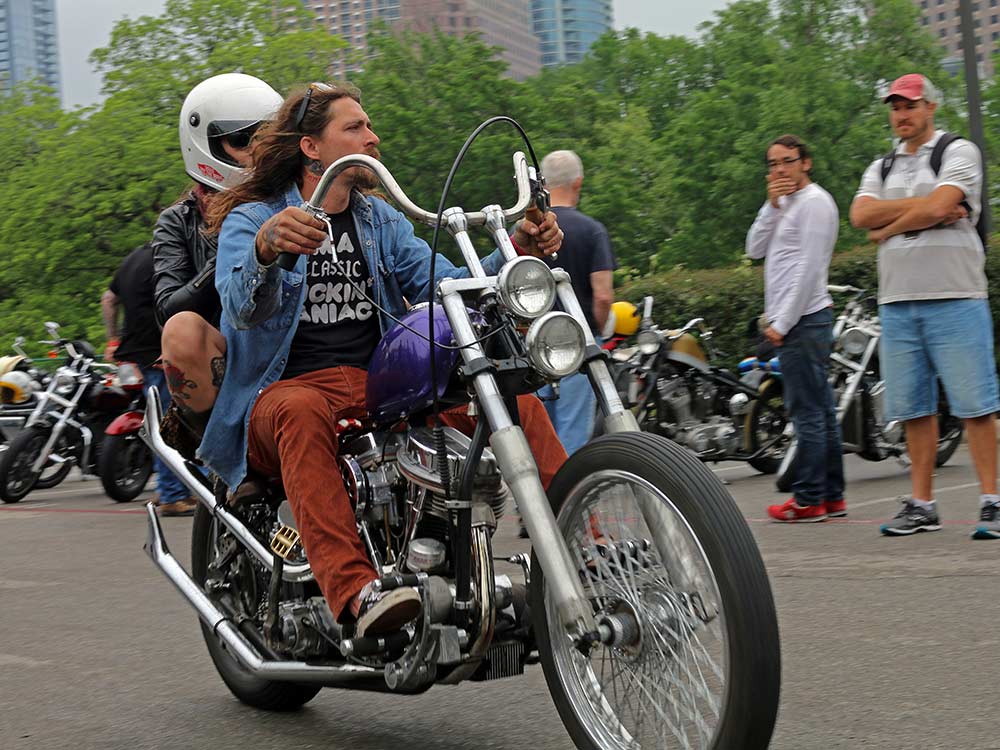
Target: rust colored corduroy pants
{"x":292,"y":433}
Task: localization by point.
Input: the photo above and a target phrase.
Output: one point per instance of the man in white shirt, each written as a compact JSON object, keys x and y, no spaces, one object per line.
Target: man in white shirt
{"x":933,"y":307}
{"x":795,"y":232}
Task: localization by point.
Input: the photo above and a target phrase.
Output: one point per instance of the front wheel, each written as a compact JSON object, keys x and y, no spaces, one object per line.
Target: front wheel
{"x":17,"y":478}
{"x":124,"y":464}
{"x":663,"y":552}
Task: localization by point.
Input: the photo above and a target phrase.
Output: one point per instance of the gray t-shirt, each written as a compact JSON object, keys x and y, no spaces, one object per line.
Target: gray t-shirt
{"x":938,"y":263}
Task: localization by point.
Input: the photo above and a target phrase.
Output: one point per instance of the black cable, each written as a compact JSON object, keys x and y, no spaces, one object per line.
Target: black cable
{"x":436,"y":406}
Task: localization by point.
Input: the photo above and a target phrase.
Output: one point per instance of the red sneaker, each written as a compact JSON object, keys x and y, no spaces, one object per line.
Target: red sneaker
{"x":836,"y":508}
{"x":789,"y":512}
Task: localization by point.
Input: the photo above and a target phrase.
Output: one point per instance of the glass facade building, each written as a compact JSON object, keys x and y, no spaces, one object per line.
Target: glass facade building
{"x":28,"y":43}
{"x":567,"y":28}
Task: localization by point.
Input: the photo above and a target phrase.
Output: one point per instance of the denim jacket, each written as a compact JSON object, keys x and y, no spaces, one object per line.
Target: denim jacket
{"x":261,"y":307}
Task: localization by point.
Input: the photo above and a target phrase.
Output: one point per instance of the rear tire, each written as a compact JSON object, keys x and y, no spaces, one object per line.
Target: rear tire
{"x":693,"y":510}
{"x":267,"y":695}
{"x":124,"y":465}
{"x":766,"y":420}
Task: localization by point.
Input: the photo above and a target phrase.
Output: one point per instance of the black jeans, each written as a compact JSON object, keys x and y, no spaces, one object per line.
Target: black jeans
{"x":805,"y":362}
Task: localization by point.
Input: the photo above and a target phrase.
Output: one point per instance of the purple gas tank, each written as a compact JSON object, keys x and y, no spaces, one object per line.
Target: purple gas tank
{"x":399,"y":376}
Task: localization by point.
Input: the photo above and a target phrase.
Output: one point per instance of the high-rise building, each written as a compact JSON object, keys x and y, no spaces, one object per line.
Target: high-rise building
{"x":567,"y":28}
{"x":502,"y":23}
{"x":941,"y":18}
{"x":28,"y":43}
{"x":349,"y":19}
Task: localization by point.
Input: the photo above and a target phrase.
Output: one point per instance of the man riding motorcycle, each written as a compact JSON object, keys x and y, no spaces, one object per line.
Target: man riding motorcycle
{"x":296,"y":342}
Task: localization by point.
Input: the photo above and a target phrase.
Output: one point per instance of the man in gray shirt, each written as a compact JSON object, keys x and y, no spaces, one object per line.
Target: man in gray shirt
{"x":936,"y":321}
{"x":795,"y":232}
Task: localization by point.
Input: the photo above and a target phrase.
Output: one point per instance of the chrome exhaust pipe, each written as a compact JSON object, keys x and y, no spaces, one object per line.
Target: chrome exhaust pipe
{"x":150,"y":432}
{"x":347,"y":675}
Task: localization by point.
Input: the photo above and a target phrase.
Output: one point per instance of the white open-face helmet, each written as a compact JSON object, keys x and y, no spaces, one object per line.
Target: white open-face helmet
{"x":229,"y":105}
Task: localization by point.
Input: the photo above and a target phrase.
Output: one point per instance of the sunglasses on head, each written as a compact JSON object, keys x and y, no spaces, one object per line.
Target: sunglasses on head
{"x":304,"y":106}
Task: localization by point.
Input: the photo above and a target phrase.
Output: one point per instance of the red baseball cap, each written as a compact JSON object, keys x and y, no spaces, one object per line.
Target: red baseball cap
{"x":913,"y":86}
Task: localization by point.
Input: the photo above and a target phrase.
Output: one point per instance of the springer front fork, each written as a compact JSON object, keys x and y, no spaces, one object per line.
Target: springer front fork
{"x":509,"y":444}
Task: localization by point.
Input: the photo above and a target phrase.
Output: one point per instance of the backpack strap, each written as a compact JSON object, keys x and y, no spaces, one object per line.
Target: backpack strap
{"x":937,"y":156}
{"x":887,"y":161}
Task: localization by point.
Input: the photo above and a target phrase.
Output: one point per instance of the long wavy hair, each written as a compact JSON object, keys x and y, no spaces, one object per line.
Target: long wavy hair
{"x":278,"y":160}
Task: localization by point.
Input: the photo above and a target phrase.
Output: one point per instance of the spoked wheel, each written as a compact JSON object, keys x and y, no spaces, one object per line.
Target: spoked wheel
{"x":672,"y":571}
{"x":124,"y":466}
{"x":245,"y":589}
{"x":765,"y":426}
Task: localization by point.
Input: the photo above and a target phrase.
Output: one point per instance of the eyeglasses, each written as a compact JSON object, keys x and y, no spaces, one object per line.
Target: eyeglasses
{"x":304,"y":107}
{"x":787,"y":162}
{"x":241,"y":138}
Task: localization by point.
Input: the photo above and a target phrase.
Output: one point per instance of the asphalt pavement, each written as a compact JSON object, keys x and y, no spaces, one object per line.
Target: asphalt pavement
{"x":886,"y":643}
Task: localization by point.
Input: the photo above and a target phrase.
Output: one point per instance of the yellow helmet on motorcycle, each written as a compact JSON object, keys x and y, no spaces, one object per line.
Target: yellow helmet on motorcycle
{"x":16,"y":387}
{"x":626,"y":318}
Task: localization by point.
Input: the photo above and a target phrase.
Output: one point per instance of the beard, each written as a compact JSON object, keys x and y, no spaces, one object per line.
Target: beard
{"x":364,"y":179}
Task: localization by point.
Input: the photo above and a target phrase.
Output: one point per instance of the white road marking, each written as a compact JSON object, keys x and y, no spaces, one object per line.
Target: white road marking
{"x":892,"y":498}
{"x":10,"y":660}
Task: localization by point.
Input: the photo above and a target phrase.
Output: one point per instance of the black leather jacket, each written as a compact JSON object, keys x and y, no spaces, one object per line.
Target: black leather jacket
{"x":184,"y":264}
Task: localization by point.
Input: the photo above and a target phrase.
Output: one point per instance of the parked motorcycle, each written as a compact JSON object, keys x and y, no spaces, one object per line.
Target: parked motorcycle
{"x":859,"y":393}
{"x":644,"y":595}
{"x":675,"y":391}
{"x":68,"y":424}
{"x":20,"y":383}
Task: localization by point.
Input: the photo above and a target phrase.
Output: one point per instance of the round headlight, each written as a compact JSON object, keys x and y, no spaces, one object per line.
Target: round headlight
{"x":648,"y":341}
{"x":555,"y":344}
{"x":527,"y":287}
{"x":853,"y":342}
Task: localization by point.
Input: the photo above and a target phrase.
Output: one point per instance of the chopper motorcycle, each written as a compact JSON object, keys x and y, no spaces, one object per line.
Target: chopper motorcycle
{"x":674,"y":389}
{"x":644,"y":596}
{"x":78,"y":415}
{"x":859,"y":392}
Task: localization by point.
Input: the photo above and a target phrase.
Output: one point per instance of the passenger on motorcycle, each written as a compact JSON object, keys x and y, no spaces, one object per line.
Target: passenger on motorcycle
{"x":297,"y":342}
{"x":218,"y":120}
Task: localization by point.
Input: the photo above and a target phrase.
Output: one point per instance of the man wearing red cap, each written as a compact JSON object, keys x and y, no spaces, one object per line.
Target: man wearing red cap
{"x":936,"y":322}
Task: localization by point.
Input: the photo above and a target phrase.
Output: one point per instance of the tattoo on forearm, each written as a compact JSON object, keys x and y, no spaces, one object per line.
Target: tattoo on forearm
{"x":315,"y":166}
{"x":218,"y":367}
{"x":179,"y":385}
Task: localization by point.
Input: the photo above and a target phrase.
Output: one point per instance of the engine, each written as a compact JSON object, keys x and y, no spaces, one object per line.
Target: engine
{"x":688,"y":419}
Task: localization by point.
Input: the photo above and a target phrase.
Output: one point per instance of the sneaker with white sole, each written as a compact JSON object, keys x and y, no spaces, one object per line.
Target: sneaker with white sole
{"x":910,"y":519}
{"x":386,"y":611}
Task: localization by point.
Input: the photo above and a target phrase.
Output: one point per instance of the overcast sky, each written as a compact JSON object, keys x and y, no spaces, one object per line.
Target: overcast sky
{"x":85,"y":25}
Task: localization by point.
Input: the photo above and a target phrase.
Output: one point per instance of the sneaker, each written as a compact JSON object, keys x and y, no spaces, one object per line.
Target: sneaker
{"x":836,"y":508}
{"x":989,"y":523}
{"x":387,"y":611}
{"x":183,"y":507}
{"x":910,"y":519}
{"x":792,"y":512}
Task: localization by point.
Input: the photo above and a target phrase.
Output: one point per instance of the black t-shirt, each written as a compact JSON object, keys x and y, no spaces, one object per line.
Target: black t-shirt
{"x":133,"y":284}
{"x":337,"y":326}
{"x":585,"y":249}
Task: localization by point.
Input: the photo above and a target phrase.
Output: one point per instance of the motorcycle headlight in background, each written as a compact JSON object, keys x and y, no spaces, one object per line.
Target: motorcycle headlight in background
{"x":555,"y":344}
{"x":648,"y":341}
{"x":527,"y":287}
{"x":853,"y":342}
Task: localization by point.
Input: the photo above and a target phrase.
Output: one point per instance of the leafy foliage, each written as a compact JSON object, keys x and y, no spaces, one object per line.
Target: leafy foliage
{"x":671,"y":131}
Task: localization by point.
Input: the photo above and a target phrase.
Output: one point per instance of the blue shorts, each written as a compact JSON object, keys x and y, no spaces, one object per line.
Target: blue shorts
{"x":925,"y":341}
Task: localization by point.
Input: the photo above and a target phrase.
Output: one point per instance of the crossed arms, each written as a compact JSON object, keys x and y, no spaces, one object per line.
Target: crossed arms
{"x":886,"y":218}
